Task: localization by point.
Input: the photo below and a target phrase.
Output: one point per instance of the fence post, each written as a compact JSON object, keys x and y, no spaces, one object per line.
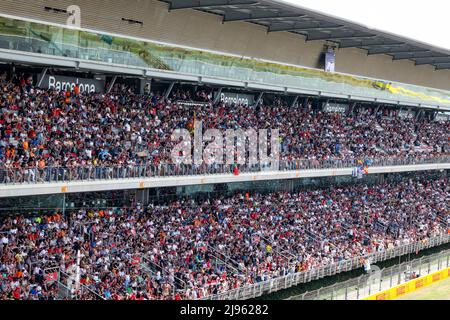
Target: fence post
{"x":380,"y":280}
{"x":420,"y":265}
{"x":390,"y":280}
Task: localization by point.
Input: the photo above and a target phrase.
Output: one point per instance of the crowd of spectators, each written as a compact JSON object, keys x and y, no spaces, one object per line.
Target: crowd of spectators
{"x":191,"y":249}
{"x":41,"y":128}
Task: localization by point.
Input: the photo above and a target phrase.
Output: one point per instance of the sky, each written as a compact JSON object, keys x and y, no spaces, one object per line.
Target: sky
{"x":427,"y":21}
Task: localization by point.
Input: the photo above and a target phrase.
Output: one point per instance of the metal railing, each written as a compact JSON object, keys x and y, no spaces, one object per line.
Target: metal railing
{"x":147,"y":265}
{"x":90,"y":173}
{"x":371,"y":283}
{"x":293,"y":279}
{"x":69,"y":289}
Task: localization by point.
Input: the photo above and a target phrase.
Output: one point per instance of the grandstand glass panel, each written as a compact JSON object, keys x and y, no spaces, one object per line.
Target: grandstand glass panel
{"x":32,"y":204}
{"x":53,"y":40}
{"x":49,"y":203}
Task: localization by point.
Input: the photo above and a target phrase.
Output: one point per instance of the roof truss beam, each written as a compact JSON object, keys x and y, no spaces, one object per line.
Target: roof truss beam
{"x":429,"y":57}
{"x":368,"y":44}
{"x":179,"y":5}
{"x":384,"y":44}
{"x":339,"y":37}
{"x":398,"y":51}
{"x":442,"y":67}
{"x":317,"y":27}
{"x":305,"y":27}
{"x":431,"y":60}
{"x":251,"y":17}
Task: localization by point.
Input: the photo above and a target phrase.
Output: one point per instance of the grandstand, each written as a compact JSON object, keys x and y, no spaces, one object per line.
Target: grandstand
{"x":126,"y":163}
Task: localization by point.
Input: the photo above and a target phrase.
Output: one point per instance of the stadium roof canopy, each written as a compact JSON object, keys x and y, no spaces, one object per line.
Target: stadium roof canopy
{"x":279,"y":16}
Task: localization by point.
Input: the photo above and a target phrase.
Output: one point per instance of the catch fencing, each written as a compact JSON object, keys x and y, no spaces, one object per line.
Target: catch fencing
{"x":378,"y":280}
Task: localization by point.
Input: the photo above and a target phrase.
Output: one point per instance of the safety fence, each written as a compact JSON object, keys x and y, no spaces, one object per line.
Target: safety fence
{"x":294,"y":279}
{"x":148,"y":170}
{"x":411,"y":286}
{"x":376,"y":280}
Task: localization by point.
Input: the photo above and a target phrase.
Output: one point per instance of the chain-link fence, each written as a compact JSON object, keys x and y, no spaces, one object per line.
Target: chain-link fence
{"x":377,"y":280}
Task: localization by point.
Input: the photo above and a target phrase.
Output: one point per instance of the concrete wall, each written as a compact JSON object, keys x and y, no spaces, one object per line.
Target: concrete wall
{"x":203,"y":30}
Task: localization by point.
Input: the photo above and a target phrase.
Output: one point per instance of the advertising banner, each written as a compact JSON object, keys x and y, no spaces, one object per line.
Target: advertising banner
{"x":236,"y":98}
{"x":330,"y":61}
{"x":335,"y":107}
{"x":63,"y":83}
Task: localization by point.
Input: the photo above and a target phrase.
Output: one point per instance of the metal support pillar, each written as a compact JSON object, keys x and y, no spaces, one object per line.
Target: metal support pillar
{"x":352,"y":107}
{"x":41,"y":77}
{"x":259,"y":98}
{"x":169,"y":90}
{"x":111,"y":84}
{"x":294,"y":102}
{"x":418,"y":114}
{"x":217,"y":98}
{"x":377,"y":109}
